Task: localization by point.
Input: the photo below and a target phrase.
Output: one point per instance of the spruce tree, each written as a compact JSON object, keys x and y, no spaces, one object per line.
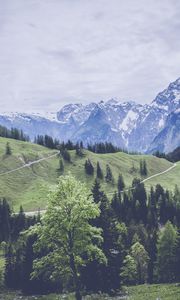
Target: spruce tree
{"x":61,"y":166}
{"x":166,"y":255}
{"x":79,"y":150}
{"x":99,"y":171}
{"x":96,"y":191}
{"x":121,"y":184}
{"x":8,"y":149}
{"x":144,"y":168}
{"x":109,"y":176}
{"x":89,"y":167}
{"x":141,"y":259}
{"x":66,"y":155}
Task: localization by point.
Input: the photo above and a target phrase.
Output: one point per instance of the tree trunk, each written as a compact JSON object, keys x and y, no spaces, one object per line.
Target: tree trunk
{"x":76,"y":280}
{"x":74,"y":271}
{"x":78,"y":295}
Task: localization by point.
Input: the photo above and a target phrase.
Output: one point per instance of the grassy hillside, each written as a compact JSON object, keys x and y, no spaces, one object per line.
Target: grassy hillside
{"x":29,"y":186}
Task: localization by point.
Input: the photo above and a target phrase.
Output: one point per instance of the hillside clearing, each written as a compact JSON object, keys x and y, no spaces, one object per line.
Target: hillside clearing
{"x":29,"y":186}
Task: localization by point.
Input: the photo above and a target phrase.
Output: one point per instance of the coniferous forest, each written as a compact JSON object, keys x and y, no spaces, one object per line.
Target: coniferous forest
{"x":90,"y":242}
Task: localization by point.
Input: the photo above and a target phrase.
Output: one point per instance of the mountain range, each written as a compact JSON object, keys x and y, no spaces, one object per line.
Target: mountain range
{"x":136,"y":127}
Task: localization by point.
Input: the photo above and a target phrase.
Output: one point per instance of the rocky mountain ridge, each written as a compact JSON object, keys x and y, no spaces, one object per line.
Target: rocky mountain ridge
{"x":137,"y":127}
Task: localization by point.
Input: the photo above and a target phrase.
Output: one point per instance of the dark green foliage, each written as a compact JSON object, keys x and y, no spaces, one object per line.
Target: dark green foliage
{"x":79,"y":150}
{"x":134,"y":218}
{"x":143,"y":168}
{"x":96,"y":191}
{"x":46,"y":141}
{"x":109,"y":176}
{"x":166,"y":255}
{"x":89,"y":169}
{"x":8,"y":149}
{"x":66,"y":155}
{"x":61,"y":166}
{"x":19,"y":257}
{"x":139,"y":201}
{"x":173,"y":156}
{"x":13,"y":133}
{"x":107,"y":148}
{"x":99,"y":171}
{"x":120,"y":184}
{"x":5,"y":221}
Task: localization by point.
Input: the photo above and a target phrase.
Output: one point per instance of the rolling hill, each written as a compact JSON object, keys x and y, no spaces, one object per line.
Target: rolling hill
{"x":29,"y":186}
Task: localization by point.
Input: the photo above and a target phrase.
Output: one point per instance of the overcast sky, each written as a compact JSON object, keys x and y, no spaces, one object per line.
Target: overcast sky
{"x":54,"y":52}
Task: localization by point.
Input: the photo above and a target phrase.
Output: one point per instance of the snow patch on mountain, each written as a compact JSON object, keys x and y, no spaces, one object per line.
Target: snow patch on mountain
{"x":129,"y":121}
{"x":125,"y":124}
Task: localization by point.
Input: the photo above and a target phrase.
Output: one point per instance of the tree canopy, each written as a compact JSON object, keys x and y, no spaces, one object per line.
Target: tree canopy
{"x":66,"y":234}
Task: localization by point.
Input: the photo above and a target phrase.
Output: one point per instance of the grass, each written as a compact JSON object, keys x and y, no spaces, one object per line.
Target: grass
{"x":29,"y":186}
{"x":154,"y":292}
{"x":141,"y":292}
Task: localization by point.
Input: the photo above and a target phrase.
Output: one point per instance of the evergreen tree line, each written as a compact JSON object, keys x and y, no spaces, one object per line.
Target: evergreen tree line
{"x":109,"y":178}
{"x":90,"y":170}
{"x":13,"y":133}
{"x":141,"y":243}
{"x":12,"y":224}
{"x":107,"y":148}
{"x":46,"y":141}
{"x":102,"y":148}
{"x":173,"y":156}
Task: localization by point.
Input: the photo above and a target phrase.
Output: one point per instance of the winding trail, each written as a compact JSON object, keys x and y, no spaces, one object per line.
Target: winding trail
{"x":31,"y":213}
{"x":148,"y":178}
{"x":29,"y":164}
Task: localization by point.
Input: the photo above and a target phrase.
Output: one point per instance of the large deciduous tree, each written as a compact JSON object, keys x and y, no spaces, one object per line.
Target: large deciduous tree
{"x":65,"y":233}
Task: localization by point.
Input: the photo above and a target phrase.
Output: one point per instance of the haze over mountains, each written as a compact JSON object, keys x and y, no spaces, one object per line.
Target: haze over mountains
{"x":137,"y":127}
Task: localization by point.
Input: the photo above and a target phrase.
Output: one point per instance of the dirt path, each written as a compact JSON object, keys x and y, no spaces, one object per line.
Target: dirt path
{"x":31,"y":213}
{"x":146,"y":179}
{"x":29,"y":164}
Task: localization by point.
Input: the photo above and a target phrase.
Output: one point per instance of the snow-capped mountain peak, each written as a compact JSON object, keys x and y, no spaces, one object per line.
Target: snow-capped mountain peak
{"x":125,"y":124}
{"x":169,"y":99}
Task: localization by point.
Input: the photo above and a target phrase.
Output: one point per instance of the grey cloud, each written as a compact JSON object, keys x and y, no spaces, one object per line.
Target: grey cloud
{"x":53,"y":52}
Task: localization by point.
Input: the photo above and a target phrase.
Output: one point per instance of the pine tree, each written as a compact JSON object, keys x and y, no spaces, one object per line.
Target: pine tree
{"x":152,"y":218}
{"x":141,"y":259}
{"x":166,"y":256}
{"x":66,"y":155}
{"x":61,"y":166}
{"x":141,"y":167}
{"x":89,"y":167}
{"x":4,"y":221}
{"x":96,"y":191}
{"x":8,"y":149}
{"x":99,"y":171}
{"x":117,"y":207}
{"x":121,"y":184}
{"x":152,"y":251}
{"x":144,"y":168}
{"x":79,"y":150}
{"x":129,"y":271}
{"x":109,"y":177}
{"x":139,"y":198}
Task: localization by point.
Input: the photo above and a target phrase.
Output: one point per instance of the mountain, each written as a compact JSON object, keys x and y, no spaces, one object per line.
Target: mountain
{"x":169,"y":138}
{"x":129,"y":125}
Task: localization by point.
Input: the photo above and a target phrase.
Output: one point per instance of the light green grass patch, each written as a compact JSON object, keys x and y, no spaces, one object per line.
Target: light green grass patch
{"x":29,"y":186}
